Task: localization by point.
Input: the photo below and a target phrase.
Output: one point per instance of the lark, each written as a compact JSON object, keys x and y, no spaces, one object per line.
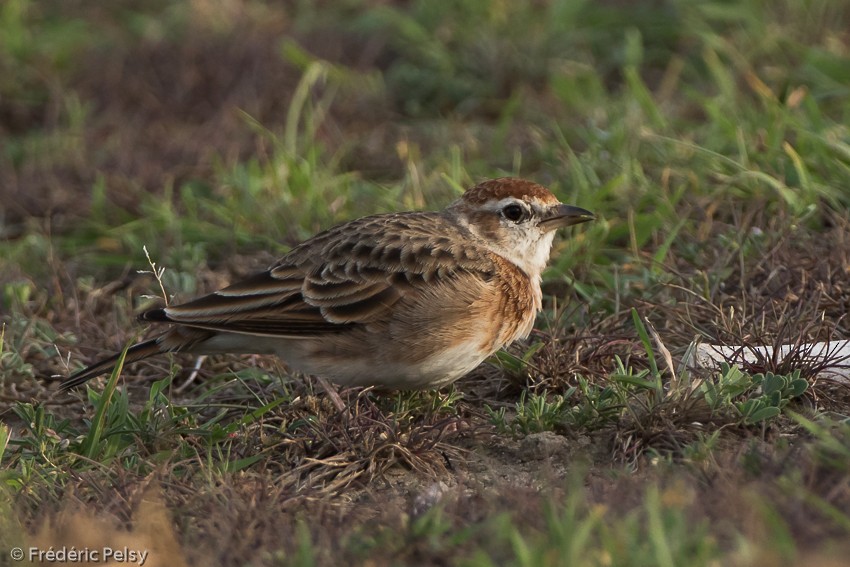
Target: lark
{"x":401,"y":301}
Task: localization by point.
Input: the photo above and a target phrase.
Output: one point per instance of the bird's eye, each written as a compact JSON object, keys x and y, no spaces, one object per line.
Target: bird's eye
{"x":513,"y":213}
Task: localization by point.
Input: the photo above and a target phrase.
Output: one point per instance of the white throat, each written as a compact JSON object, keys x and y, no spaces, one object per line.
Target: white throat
{"x":530,"y":257}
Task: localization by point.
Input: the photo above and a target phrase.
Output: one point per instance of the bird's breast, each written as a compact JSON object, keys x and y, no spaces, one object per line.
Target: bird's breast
{"x":519,"y":299}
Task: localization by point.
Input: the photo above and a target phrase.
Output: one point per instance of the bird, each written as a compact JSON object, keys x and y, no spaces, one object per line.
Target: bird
{"x":397,"y":301}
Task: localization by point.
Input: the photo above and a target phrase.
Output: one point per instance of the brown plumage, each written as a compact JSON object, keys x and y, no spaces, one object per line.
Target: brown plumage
{"x":403,"y":300}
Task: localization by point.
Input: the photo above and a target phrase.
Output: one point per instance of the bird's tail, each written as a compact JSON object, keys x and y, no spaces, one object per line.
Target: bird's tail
{"x":134,"y":353}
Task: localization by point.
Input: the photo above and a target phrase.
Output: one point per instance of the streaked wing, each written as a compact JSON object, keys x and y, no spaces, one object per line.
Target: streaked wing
{"x":350,"y":275}
{"x":269,"y":304}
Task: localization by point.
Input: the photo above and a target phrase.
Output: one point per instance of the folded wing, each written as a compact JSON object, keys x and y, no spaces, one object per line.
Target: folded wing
{"x":353,"y":279}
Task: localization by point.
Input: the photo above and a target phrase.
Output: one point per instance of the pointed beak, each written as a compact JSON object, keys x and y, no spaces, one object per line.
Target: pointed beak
{"x":561,"y":216}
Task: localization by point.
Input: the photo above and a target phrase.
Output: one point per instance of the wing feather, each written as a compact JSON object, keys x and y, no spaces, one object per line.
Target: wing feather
{"x":350,"y":275}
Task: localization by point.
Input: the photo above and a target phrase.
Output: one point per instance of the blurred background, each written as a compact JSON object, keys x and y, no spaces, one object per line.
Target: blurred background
{"x":246,"y":117}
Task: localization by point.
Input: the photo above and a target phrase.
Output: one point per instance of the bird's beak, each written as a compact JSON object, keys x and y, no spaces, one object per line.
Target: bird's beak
{"x":565,"y":215}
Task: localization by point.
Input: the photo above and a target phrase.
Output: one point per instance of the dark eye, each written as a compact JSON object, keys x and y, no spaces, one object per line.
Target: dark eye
{"x":513,"y":213}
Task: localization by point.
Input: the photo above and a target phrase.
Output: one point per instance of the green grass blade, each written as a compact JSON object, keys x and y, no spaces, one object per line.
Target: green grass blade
{"x":95,"y":433}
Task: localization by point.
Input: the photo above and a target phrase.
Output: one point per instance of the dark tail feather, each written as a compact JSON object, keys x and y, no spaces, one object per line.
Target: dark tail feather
{"x":134,"y":353}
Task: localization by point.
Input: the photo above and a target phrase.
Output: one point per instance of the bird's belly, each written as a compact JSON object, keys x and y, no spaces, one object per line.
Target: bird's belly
{"x":435,"y":371}
{"x":361,"y":362}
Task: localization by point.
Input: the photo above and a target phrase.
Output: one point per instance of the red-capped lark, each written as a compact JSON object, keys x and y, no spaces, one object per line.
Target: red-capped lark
{"x":403,"y":301}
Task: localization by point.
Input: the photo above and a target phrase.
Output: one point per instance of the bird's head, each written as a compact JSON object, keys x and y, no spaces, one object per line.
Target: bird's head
{"x":517,"y":219}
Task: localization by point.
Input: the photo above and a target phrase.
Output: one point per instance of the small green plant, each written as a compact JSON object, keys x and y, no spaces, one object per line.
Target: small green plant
{"x":38,"y":457}
{"x":730,"y":384}
{"x":516,"y":367}
{"x":539,"y":412}
{"x":46,"y":437}
{"x":598,"y":405}
{"x":534,"y":413}
{"x":772,"y":394}
{"x":107,"y":414}
{"x":406,"y":406}
{"x":755,"y":398}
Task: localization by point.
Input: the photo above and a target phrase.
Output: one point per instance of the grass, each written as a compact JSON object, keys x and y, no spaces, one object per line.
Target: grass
{"x":158,"y":152}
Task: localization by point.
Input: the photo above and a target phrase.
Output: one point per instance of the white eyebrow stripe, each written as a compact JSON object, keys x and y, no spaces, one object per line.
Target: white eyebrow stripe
{"x":501,"y":203}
